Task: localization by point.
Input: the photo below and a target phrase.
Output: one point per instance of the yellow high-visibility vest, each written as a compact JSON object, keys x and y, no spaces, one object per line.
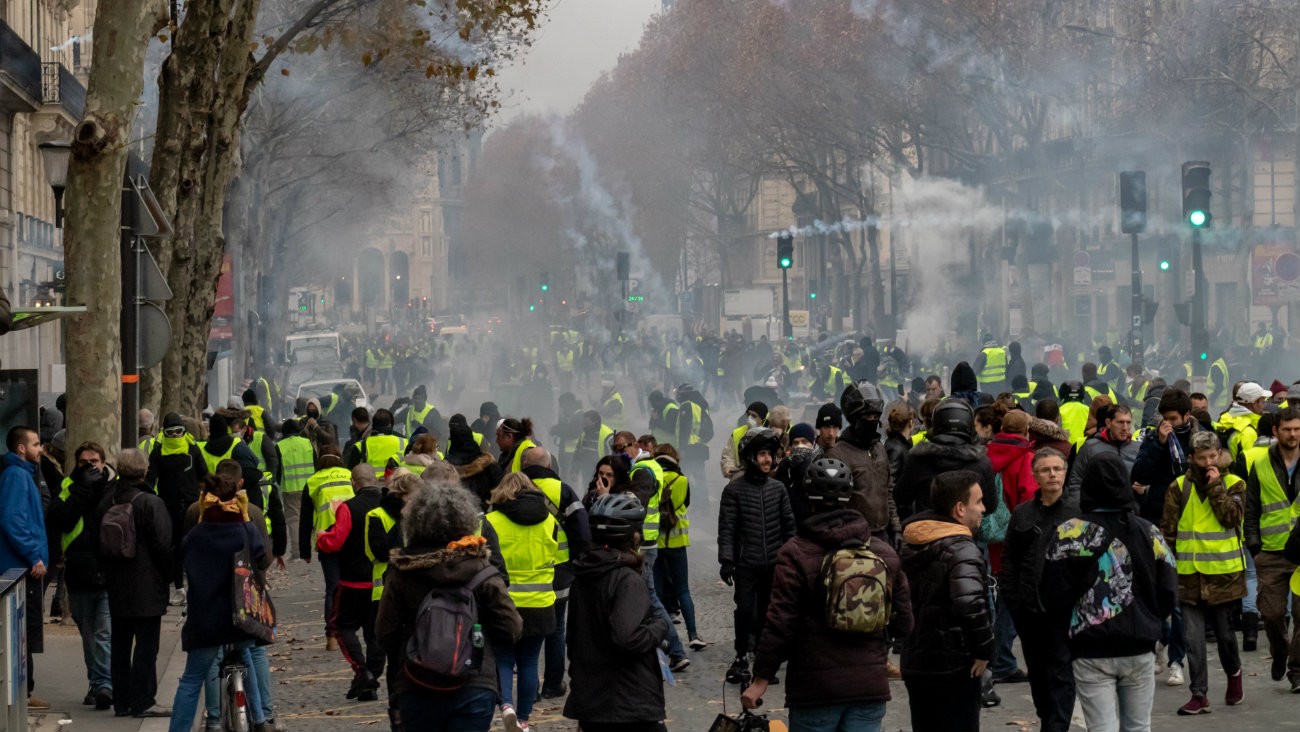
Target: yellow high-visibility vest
{"x":415,"y":418}
{"x":1277,"y":513}
{"x":995,"y":365}
{"x":297,"y":462}
{"x":213,"y":460}
{"x":70,"y":536}
{"x":328,"y":488}
{"x":678,"y":487}
{"x":650,"y":529}
{"x":530,"y":554}
{"x":377,"y":449}
{"x":552,"y":488}
{"x":518,"y":458}
{"x":1074,"y":418}
{"x":380,"y":563}
{"x":1203,"y":545}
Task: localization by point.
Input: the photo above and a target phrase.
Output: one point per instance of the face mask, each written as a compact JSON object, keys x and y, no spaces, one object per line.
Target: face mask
{"x":754,"y":421}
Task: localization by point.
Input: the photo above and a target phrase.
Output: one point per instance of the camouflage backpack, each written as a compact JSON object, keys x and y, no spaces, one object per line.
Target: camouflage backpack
{"x":858,"y":590}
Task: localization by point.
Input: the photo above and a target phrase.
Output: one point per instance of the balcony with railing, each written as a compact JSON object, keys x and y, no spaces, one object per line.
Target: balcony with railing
{"x":59,"y":86}
{"x":20,"y":73}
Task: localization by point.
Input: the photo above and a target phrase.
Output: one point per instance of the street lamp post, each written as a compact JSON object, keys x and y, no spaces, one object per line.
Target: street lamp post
{"x":55,"y":156}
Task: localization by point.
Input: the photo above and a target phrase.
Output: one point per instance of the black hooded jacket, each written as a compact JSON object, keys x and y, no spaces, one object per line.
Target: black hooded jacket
{"x":1109,"y":573}
{"x":612,"y":638}
{"x":940,"y":454}
{"x":530,"y":508}
{"x":964,"y":385}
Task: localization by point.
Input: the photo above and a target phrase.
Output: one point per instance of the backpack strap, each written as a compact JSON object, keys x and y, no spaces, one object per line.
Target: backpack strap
{"x":483,"y":575}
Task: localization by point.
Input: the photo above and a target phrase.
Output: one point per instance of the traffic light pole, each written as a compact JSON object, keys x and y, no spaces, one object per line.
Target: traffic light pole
{"x":787,"y":330}
{"x":1200,"y":338}
{"x":1135,"y":345}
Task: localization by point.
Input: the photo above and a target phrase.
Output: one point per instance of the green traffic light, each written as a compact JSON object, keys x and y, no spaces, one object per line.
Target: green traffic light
{"x":545,"y":287}
{"x":1204,"y":356}
{"x":812,"y":295}
{"x":531,"y":308}
{"x":1164,"y":264}
{"x":785,"y":263}
{"x":1196,"y":218}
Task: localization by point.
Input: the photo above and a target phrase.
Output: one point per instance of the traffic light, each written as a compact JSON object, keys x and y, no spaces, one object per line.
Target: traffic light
{"x":1196,"y":194}
{"x":1164,"y":265}
{"x":545,"y":279}
{"x":303,"y":302}
{"x":322,"y":299}
{"x":785,"y":251}
{"x":812,"y":295}
{"x":1133,"y":201}
{"x":532,"y":308}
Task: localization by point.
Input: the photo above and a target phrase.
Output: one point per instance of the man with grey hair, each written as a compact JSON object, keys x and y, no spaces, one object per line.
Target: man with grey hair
{"x":137,"y":581}
{"x":147,"y":439}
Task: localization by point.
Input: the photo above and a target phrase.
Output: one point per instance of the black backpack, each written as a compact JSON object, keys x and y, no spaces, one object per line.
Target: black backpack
{"x":445,"y":648}
{"x":117,"y":534}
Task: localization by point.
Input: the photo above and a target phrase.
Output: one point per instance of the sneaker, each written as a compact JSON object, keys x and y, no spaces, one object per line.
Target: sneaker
{"x":178,"y":597}
{"x":368,"y":695}
{"x":739,"y":671}
{"x":55,"y":619}
{"x":554,"y":692}
{"x":1198,"y":704}
{"x":1278,"y":668}
{"x":1235,"y":694}
{"x":1015,"y":677}
{"x":680,"y":664}
{"x":509,"y":719}
{"x":88,"y":700}
{"x":1162,"y":657}
{"x":697,"y":643}
{"x":153,"y":712}
{"x":523,"y":726}
{"x":1295,"y":686}
{"x":103,"y":699}
{"x":35,"y":702}
{"x":1175,"y":675}
{"x":677,"y":618}
{"x":892,"y":670}
{"x":210,"y":726}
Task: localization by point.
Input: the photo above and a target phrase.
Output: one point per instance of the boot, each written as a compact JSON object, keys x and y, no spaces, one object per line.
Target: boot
{"x":1249,"y":631}
{"x":364,"y":685}
{"x":739,"y":671}
{"x":1234,"y":694}
{"x":331,"y":643}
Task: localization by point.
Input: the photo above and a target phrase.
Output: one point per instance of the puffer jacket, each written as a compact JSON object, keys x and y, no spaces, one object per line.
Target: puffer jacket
{"x":945,"y":571}
{"x":412,"y":573}
{"x":612,"y":639}
{"x":873,"y":494}
{"x":754,"y":520}
{"x":827,"y":666}
{"x":939,"y":454}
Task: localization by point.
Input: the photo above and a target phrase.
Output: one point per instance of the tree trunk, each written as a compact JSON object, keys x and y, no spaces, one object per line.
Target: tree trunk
{"x":93,"y":222}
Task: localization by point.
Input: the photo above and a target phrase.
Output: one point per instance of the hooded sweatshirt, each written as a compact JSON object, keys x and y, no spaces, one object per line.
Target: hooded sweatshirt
{"x":1109,"y":570}
{"x":964,"y":385}
{"x":612,"y":641}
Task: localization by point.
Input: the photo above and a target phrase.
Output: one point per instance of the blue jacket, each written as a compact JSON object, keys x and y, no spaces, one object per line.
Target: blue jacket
{"x":22,"y":520}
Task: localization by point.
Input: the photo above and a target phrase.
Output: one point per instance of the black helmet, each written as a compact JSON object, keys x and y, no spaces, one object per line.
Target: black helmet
{"x":953,"y":416}
{"x":860,"y":400}
{"x":755,"y":441}
{"x":1071,"y":391}
{"x":616,"y":517}
{"x":828,"y":482}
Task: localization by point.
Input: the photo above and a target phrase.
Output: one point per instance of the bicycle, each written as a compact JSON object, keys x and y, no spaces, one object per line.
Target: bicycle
{"x":233,"y":677}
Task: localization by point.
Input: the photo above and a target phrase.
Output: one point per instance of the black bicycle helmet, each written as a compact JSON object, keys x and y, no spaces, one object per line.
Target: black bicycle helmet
{"x":861,"y":399}
{"x":755,"y":441}
{"x":615,"y":518}
{"x":1072,"y":391}
{"x":953,"y":416}
{"x":828,"y":482}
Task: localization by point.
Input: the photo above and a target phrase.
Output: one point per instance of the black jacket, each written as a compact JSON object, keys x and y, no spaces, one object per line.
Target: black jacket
{"x":941,"y":454}
{"x":1109,"y":571}
{"x":89,"y":489}
{"x":791,"y":473}
{"x":754,"y":520}
{"x":896,"y":448}
{"x":612,"y":640}
{"x":137,"y":588}
{"x":1032,"y":526}
{"x":177,"y":476}
{"x":946,"y":573}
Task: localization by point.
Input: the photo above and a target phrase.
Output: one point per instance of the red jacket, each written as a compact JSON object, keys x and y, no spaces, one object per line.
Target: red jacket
{"x":1012,"y":457}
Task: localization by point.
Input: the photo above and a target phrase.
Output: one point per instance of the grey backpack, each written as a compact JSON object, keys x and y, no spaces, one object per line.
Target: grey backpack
{"x":445,"y":648}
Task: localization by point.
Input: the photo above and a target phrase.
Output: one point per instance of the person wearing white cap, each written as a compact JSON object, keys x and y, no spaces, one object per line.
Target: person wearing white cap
{"x":1240,"y":424}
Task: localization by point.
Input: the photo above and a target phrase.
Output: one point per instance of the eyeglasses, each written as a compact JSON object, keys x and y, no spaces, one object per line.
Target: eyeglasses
{"x":621,"y":448}
{"x":174,"y":431}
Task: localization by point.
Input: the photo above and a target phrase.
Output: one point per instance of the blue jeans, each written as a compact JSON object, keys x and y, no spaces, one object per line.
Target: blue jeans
{"x":198,"y":663}
{"x":553,"y":672}
{"x":1252,"y":587}
{"x":212,"y":689}
{"x":672,"y":574}
{"x":467,"y":710}
{"x":860,"y":717}
{"x":1004,"y":634}
{"x":522,"y":656}
{"x":90,"y":611}
{"x":675,"y":649}
{"x":1173,"y":636}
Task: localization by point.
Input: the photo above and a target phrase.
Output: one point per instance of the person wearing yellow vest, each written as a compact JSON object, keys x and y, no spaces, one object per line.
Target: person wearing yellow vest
{"x":991,"y":366}
{"x":611,"y":405}
{"x":574,"y":538}
{"x":1239,"y":426}
{"x":527,"y":531}
{"x":672,"y":574}
{"x":176,"y":470}
{"x":513,"y":437}
{"x":381,"y":445}
{"x":354,"y":607}
{"x":1074,"y":411}
{"x":663,"y":417}
{"x":1094,"y":386}
{"x":256,"y":413}
{"x":1271,"y":490}
{"x":755,"y":416}
{"x":692,"y":435}
{"x":419,"y":411}
{"x":326,"y":490}
{"x":297,"y":465}
{"x":1218,"y":387}
{"x":827,"y":382}
{"x":258,"y":476}
{"x":1202,"y":520}
{"x":71,"y":511}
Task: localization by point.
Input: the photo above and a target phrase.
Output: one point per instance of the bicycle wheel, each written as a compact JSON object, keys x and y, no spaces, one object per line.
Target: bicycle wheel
{"x":235,"y":714}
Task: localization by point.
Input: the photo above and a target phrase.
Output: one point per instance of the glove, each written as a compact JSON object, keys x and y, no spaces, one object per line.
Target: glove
{"x":85,"y":477}
{"x":727,"y":572}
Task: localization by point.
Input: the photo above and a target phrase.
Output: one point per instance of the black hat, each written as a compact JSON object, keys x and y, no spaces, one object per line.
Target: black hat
{"x":758,"y":408}
{"x":420,"y":391}
{"x":829,"y":416}
{"x":173,"y":419}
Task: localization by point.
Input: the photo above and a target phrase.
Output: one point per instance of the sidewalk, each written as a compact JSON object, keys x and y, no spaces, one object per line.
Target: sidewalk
{"x":61,"y":680}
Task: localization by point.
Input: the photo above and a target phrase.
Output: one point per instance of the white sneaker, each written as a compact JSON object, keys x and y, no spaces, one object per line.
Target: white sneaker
{"x":1162,"y":657}
{"x":509,"y":719}
{"x":178,"y":598}
{"x":1175,"y":675}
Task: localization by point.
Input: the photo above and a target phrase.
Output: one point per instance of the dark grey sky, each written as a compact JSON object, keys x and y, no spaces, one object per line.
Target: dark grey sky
{"x":579,"y":40}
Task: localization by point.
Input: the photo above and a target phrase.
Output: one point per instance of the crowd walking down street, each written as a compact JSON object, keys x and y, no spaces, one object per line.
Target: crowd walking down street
{"x":925,"y":559}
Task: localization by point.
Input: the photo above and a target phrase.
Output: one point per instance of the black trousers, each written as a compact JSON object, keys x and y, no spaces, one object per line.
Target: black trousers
{"x":1051,"y":673}
{"x":753,"y":589}
{"x":949,"y":703}
{"x":134,"y":663}
{"x":353,"y":611}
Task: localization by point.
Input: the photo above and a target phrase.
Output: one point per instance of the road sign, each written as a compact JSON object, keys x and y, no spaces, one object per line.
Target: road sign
{"x":155,"y":335}
{"x":1083,"y":276}
{"x":153,"y":286}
